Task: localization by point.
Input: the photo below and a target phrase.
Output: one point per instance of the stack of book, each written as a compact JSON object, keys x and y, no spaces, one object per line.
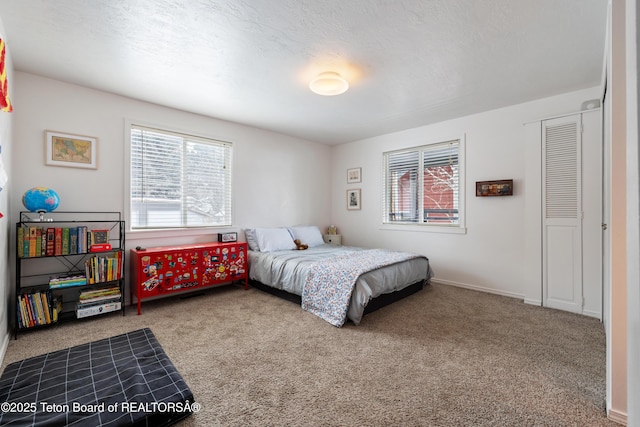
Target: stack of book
{"x":67,"y":281}
{"x":98,"y":301}
{"x":34,"y":309}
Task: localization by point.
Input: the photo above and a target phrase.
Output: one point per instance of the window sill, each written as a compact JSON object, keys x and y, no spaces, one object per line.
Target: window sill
{"x":424,"y":228}
{"x":140,"y":234}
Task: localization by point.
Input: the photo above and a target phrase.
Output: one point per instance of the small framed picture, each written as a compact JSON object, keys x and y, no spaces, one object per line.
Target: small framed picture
{"x":353,"y":199}
{"x":354,"y":175}
{"x":75,"y":151}
{"x":503,"y":187}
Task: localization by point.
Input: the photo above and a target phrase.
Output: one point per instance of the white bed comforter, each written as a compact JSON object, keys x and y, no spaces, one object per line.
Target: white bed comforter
{"x":288,"y":270}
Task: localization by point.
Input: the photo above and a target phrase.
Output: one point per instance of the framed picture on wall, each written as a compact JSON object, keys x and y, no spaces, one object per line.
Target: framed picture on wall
{"x":75,"y":151}
{"x":354,"y":175}
{"x":353,"y":199}
{"x":503,"y":187}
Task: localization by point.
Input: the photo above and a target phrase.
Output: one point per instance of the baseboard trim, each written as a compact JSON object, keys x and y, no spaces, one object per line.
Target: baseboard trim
{"x":617,"y":417}
{"x":590,"y":313}
{"x":506,"y":294}
{"x":533,"y":302}
{"x":478,"y":288}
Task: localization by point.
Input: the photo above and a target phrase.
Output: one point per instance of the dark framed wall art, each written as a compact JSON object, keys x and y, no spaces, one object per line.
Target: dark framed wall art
{"x":503,"y":187}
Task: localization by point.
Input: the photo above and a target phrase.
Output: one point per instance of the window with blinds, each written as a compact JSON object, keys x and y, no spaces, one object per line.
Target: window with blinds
{"x":421,"y":185}
{"x":179,"y":180}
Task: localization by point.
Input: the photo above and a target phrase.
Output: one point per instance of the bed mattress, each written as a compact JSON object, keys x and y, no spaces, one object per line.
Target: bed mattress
{"x":119,"y":381}
{"x":287,"y":270}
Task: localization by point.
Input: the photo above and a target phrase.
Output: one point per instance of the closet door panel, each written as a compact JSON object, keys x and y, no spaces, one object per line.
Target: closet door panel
{"x":562,"y":213}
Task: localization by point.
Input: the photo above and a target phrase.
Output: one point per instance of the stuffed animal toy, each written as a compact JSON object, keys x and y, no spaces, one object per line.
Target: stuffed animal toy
{"x":300,"y":246}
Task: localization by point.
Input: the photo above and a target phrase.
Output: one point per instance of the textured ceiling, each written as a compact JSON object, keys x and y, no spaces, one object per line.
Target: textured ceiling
{"x":409,"y":63}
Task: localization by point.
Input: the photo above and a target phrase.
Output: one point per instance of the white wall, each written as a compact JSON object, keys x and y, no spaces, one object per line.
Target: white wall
{"x":274,"y":181}
{"x":491,"y":255}
{"x":5,"y":223}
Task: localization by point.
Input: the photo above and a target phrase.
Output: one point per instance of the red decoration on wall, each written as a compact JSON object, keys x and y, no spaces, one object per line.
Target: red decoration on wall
{"x":5,"y":103}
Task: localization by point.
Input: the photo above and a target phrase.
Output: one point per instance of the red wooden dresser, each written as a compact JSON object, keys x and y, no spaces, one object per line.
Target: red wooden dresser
{"x":167,"y":270}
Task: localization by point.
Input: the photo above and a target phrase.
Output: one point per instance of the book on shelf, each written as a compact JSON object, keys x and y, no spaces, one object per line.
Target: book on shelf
{"x":82,"y":239}
{"x":51,"y":241}
{"x":34,"y":309}
{"x":33,"y":241}
{"x":23,"y":313}
{"x":20,"y":243}
{"x":46,"y":306}
{"x":23,"y":319}
{"x":28,"y":310}
{"x":73,"y":240}
{"x":95,"y":303}
{"x":19,"y":313}
{"x":65,"y":241}
{"x":93,"y":296}
{"x":39,"y":309}
{"x":41,"y":241}
{"x":57,"y":242}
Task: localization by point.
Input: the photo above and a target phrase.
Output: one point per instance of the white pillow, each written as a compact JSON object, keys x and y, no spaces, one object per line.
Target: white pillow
{"x":274,"y":239}
{"x":250,"y":235}
{"x":309,"y":235}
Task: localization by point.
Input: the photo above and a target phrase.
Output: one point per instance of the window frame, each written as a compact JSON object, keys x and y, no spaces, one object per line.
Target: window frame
{"x":460,"y":227}
{"x":198,"y":230}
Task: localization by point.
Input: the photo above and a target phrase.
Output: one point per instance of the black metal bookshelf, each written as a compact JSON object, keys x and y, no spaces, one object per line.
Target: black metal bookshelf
{"x":58,"y":255}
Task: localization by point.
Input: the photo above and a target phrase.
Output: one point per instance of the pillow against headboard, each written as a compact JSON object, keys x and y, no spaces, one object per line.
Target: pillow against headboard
{"x":274,"y":239}
{"x":252,"y":241}
{"x":309,"y":235}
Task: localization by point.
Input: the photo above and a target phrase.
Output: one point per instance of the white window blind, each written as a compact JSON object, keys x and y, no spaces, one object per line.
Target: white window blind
{"x":179,"y":180}
{"x":422,"y":184}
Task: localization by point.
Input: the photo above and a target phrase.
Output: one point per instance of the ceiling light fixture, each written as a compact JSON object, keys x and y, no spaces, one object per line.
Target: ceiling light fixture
{"x":328,"y":84}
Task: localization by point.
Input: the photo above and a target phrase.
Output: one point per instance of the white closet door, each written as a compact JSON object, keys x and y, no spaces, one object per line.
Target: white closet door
{"x":562,"y":213}
{"x":592,"y":219}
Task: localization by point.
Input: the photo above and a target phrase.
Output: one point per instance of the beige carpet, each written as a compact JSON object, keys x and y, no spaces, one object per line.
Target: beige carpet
{"x":442,"y":357}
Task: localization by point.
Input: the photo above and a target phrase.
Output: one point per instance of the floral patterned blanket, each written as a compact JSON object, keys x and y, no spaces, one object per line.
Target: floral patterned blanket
{"x":329,"y":284}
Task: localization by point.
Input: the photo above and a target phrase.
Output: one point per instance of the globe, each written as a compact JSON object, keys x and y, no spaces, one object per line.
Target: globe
{"x":40,"y":199}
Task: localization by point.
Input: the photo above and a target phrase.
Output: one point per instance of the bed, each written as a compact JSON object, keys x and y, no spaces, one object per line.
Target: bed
{"x":125,"y":380}
{"x":335,"y":283}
